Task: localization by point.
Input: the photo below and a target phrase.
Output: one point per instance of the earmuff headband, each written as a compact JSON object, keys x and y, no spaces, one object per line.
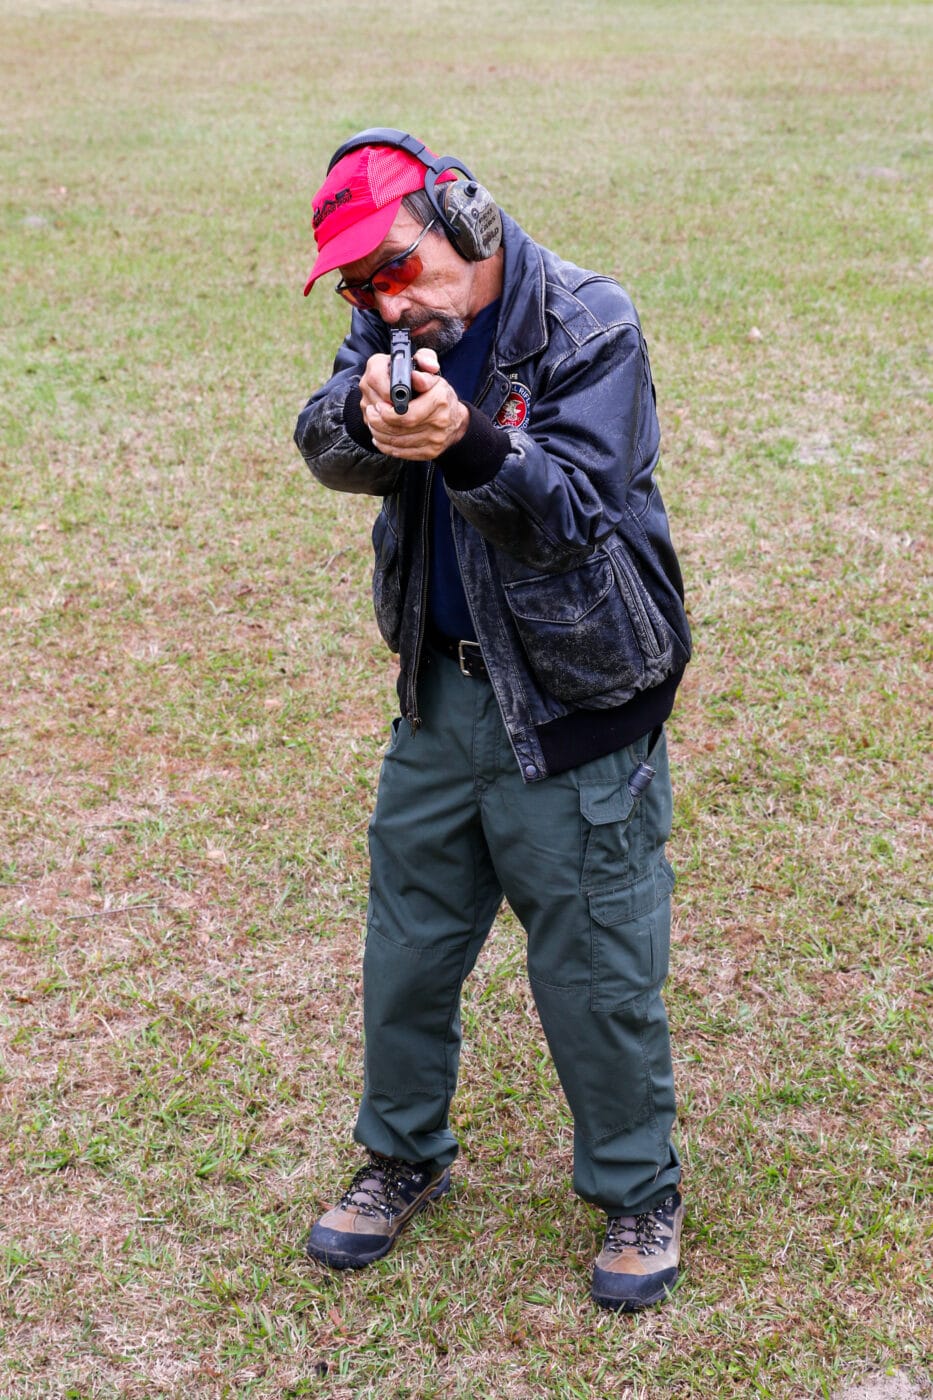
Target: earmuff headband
{"x":402,"y":141}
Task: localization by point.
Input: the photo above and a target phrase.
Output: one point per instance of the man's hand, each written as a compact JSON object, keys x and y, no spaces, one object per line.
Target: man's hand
{"x":435,"y":420}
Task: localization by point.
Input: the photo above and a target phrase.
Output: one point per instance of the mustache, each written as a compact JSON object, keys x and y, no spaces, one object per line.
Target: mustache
{"x":444,"y":333}
{"x":413,"y":321}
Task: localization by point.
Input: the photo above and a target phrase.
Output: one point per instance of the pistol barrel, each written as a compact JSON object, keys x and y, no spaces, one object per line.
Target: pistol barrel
{"x":400,"y":371}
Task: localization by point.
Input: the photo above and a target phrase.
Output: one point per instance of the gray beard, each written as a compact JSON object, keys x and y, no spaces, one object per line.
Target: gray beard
{"x":440,"y":338}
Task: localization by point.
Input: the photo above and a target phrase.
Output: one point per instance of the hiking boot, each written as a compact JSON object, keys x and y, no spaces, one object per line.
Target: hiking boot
{"x":637,"y":1265}
{"x":371,"y":1214}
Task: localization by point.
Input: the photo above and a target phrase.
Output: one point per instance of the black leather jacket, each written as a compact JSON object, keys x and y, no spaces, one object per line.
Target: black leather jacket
{"x":559,"y":527}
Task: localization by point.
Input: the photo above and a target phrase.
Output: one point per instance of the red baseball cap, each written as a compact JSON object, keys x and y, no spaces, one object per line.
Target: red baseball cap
{"x":357,"y":204}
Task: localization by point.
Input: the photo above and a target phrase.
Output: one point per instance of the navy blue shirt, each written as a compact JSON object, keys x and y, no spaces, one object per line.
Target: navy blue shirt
{"x":462,"y":367}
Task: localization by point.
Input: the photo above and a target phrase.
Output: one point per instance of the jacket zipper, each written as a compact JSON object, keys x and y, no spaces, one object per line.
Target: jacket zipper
{"x":414,"y":719}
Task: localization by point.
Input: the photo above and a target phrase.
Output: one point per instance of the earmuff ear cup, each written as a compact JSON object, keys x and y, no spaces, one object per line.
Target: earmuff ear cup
{"x":467,"y":212}
{"x":471,"y":218}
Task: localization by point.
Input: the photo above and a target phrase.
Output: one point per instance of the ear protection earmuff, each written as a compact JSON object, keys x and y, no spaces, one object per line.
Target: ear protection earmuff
{"x":465,"y":210}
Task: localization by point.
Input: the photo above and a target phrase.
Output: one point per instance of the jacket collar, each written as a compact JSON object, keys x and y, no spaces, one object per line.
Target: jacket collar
{"x":522,"y":330}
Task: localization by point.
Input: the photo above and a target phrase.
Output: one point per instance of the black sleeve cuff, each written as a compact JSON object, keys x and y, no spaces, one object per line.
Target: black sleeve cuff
{"x":478,"y":455}
{"x":354,"y":422}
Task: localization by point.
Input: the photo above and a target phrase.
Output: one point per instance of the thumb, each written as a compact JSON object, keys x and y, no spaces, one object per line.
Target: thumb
{"x":426,"y":360}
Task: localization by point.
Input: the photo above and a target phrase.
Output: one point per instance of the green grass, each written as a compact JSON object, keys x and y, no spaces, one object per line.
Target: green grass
{"x":195,"y":701}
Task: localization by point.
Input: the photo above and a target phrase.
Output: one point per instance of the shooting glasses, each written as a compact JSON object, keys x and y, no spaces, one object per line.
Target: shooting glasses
{"x":389,"y":279}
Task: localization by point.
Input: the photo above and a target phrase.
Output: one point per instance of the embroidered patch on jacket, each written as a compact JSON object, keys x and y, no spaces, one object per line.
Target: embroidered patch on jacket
{"x":515,"y":410}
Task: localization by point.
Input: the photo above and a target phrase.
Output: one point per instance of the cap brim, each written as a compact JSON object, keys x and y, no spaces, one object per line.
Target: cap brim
{"x":355,"y":242}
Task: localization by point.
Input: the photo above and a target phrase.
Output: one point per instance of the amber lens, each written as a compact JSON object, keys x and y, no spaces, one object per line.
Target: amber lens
{"x":388,"y":281}
{"x":392,"y":279}
{"x":357,"y":296}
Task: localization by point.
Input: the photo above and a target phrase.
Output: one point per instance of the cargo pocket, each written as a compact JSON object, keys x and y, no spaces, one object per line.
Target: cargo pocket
{"x":387,"y":582}
{"x":631,"y":937}
{"x":606,"y":808}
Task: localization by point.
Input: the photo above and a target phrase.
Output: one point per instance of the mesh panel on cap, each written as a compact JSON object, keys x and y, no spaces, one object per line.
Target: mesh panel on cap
{"x":392,"y":174}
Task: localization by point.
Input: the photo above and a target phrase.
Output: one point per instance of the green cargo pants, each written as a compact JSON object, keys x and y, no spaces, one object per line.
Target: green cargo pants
{"x":582,"y":865}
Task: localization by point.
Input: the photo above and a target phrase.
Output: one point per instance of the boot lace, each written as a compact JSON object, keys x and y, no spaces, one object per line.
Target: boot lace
{"x":377,"y":1187}
{"x":647,"y":1233}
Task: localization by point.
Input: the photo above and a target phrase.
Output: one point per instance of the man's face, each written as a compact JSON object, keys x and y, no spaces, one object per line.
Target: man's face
{"x":435,"y":307}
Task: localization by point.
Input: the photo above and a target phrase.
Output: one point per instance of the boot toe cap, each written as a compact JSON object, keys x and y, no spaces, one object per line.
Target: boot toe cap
{"x":630,"y":1292}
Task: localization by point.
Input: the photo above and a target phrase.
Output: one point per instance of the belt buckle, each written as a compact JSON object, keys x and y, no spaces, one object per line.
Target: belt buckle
{"x":462,"y":657}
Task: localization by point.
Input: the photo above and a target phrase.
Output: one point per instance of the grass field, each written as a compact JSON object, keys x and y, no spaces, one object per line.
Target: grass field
{"x":195,"y":700}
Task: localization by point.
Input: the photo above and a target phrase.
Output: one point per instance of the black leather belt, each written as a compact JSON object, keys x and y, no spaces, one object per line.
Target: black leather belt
{"x":467,"y":655}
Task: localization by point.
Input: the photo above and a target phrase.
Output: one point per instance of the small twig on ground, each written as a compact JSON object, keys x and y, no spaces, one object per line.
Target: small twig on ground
{"x":104,"y":913}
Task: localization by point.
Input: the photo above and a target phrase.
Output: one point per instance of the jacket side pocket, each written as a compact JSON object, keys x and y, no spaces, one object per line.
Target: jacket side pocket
{"x":589,"y":633}
{"x":387,"y":580}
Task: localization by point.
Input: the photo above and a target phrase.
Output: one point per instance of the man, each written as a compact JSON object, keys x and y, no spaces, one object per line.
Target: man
{"x":524,"y":574}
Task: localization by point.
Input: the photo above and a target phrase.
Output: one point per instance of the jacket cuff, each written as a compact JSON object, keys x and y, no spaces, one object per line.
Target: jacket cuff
{"x":354,"y":422}
{"x":478,"y":455}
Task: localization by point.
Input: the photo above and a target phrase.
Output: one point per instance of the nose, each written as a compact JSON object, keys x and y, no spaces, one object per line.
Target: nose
{"x":392,"y":309}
